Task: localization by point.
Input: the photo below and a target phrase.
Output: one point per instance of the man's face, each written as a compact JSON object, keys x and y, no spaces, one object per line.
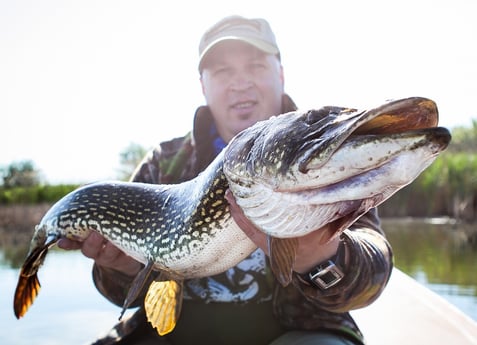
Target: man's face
{"x":242,"y":85}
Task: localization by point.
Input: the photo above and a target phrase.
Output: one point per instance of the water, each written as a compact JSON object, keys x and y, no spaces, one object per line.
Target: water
{"x":441,"y":256}
{"x":69,"y":310}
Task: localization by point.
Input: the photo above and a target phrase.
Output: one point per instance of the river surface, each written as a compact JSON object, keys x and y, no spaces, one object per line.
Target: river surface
{"x":69,"y":310}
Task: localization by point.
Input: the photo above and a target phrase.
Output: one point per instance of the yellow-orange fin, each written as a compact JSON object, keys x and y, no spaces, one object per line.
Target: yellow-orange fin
{"x":163,"y":304}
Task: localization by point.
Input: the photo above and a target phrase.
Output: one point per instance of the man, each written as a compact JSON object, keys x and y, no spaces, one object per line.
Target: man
{"x":242,"y":81}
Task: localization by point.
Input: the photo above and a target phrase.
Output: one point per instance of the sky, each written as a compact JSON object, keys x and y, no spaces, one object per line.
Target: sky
{"x":81,"y":80}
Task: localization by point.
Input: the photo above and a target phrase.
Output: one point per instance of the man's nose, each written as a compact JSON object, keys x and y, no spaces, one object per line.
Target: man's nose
{"x":241,"y":82}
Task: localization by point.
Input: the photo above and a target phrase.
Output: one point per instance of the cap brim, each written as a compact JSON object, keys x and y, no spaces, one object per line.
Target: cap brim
{"x":259,"y":44}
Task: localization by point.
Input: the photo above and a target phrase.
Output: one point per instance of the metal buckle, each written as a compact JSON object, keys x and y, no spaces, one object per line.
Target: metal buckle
{"x":326,"y":275}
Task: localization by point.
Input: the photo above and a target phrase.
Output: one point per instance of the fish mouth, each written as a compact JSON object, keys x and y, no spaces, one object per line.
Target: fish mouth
{"x":409,"y":116}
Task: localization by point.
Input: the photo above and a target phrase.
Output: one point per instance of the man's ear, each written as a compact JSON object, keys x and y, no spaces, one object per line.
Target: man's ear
{"x":282,"y":76}
{"x":202,"y":84}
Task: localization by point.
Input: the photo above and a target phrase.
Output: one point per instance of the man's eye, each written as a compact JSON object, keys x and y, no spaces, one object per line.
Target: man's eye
{"x":222,"y":71}
{"x":258,"y":66}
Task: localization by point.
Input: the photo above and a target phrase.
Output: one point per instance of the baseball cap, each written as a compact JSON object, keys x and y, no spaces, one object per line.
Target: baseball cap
{"x":255,"y":31}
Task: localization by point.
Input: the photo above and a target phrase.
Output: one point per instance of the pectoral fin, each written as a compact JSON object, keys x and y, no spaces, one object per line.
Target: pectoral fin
{"x":163,"y":304}
{"x":282,"y":258}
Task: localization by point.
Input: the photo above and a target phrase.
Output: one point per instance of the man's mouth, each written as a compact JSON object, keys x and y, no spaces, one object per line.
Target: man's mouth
{"x":243,"y":105}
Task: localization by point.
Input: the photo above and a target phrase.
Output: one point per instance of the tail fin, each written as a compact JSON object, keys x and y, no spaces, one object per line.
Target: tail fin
{"x":28,"y":284}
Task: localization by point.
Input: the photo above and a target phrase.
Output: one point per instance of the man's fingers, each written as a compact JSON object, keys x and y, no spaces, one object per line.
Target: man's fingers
{"x":258,"y":237}
{"x":67,"y":244}
{"x":109,"y":254}
{"x":93,"y":245}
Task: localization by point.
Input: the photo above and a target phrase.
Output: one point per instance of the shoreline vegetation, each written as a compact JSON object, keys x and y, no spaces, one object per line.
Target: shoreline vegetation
{"x":448,"y":188}
{"x":433,"y":205}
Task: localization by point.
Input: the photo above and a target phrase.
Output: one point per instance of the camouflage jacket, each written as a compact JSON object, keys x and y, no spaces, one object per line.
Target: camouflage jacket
{"x":298,"y":306}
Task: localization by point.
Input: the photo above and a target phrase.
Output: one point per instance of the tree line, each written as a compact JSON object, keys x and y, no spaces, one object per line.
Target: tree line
{"x":447,"y":188}
{"x":22,"y":183}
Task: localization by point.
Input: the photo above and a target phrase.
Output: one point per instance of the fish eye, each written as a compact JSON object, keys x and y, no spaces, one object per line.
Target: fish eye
{"x":316,"y":115}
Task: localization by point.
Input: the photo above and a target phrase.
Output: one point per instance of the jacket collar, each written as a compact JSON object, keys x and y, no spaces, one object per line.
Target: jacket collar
{"x":203,"y":122}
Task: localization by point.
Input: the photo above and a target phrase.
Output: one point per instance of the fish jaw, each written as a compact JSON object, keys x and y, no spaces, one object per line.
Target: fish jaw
{"x":395,"y":159}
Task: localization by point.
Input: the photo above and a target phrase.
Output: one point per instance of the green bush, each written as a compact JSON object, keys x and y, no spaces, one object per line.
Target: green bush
{"x":34,"y":194}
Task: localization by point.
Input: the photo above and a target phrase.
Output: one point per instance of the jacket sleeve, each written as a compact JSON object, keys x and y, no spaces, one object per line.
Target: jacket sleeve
{"x":365,"y":257}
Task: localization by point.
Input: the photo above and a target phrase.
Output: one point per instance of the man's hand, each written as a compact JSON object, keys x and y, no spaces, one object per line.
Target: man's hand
{"x":103,"y":252}
{"x":310,"y":249}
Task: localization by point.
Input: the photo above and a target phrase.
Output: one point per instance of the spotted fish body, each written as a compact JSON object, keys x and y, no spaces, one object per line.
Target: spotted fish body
{"x":292,"y":174}
{"x":166,"y":227}
{"x":165,"y":224}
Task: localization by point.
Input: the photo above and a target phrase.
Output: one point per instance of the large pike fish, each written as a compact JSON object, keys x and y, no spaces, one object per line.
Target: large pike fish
{"x":295,"y":173}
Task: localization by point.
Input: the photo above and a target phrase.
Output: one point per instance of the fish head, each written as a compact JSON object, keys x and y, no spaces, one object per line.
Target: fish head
{"x":330,"y":162}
